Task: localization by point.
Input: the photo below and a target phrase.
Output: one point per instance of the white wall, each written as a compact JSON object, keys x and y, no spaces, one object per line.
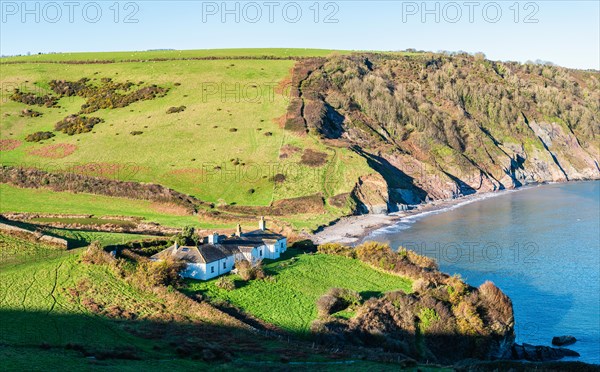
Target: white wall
{"x":202,"y":271}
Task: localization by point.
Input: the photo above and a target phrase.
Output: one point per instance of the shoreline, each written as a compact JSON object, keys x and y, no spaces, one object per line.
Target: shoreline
{"x":354,"y":229}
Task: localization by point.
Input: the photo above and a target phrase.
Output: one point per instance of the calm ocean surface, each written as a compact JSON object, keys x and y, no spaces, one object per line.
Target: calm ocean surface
{"x":540,"y":245}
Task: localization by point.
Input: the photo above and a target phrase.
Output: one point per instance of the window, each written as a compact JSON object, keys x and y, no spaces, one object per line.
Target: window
{"x":260,"y":252}
{"x":212,"y":269}
{"x":224,"y":265}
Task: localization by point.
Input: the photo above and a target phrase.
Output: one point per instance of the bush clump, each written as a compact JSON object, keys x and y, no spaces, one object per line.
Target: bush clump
{"x":75,"y":124}
{"x":160,"y":273}
{"x":248,"y":271}
{"x":278,"y":178}
{"x":225,"y":282}
{"x":337,"y":249}
{"x":30,"y":113}
{"x":337,"y":299}
{"x":107,"y":95}
{"x":95,"y":254}
{"x":33,"y":99}
{"x":39,"y":136}
{"x":173,"y":110}
{"x":136,"y":132}
{"x":313,"y":158}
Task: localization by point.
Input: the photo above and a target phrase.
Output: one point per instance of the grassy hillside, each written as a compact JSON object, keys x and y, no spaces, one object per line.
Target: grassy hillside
{"x":225,"y":147}
{"x":305,"y":140}
{"x":57,"y":311}
{"x":173,"y":54}
{"x":299,"y":280}
{"x":46,"y":201}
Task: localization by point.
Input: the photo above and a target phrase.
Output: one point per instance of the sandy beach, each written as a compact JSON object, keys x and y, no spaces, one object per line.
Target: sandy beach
{"x":353,"y":229}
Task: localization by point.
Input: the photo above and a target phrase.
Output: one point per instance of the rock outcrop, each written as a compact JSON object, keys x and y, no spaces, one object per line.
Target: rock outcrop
{"x":563,"y":340}
{"x":534,"y":353}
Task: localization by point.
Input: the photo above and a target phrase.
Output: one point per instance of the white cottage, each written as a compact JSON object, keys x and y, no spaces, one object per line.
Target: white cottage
{"x":218,"y":255}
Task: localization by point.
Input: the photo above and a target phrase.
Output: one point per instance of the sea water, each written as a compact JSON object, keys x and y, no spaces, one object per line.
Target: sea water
{"x":540,"y":245}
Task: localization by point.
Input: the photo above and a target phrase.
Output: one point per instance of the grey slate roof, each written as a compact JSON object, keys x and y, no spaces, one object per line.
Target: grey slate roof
{"x":263,"y":235}
{"x":227,"y":247}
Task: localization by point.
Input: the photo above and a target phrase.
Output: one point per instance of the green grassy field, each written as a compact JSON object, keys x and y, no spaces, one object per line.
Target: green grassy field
{"x":45,"y":201}
{"x":198,"y":53}
{"x":40,"y":316}
{"x":299,"y":280}
{"x":216,"y":150}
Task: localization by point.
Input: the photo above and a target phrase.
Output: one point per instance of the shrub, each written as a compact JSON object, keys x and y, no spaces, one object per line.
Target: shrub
{"x":313,"y":158}
{"x":174,"y":110}
{"x":337,"y":299}
{"x":327,"y":305}
{"x":337,"y":249}
{"x":33,"y":99}
{"x":427,"y":318}
{"x":498,"y":306}
{"x":248,"y":271}
{"x":187,"y":236}
{"x":419,"y":286}
{"x":161,"y":273}
{"x":39,"y":136}
{"x":305,"y":245}
{"x":107,"y":95}
{"x":136,"y":132}
{"x":95,"y":254}
{"x":278,"y":178}
{"x":377,"y":254}
{"x":30,"y":113}
{"x":457,"y":289}
{"x":467,"y":319}
{"x":75,"y":124}
{"x":225,"y":282}
{"x":419,"y":260}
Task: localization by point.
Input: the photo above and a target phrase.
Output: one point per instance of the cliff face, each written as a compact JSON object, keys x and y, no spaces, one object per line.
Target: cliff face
{"x":434,"y":126}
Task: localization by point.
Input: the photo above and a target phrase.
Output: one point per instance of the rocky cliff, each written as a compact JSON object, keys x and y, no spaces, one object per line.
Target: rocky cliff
{"x":436,"y":126}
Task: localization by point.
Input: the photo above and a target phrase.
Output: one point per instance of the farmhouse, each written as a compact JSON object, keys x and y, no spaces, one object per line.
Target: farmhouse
{"x":218,"y":255}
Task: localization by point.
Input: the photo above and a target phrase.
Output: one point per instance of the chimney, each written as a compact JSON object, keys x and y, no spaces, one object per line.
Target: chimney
{"x":176,"y":247}
{"x":238,"y":231}
{"x":262,"y":224}
{"x":213,"y":238}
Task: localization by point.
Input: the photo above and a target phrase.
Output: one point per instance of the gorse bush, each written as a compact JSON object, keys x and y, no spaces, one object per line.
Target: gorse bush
{"x":337,"y":249}
{"x":225,"y":282}
{"x":160,"y":273}
{"x":39,"y":136}
{"x":427,"y":318}
{"x":107,"y":95}
{"x":33,"y":99}
{"x":249,"y":271}
{"x":174,"y":110}
{"x":30,"y":113}
{"x":75,"y":124}
{"x":337,"y":299}
{"x":95,"y":254}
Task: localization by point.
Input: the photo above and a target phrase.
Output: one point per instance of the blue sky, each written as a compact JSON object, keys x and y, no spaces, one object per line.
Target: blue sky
{"x":564,"y":32}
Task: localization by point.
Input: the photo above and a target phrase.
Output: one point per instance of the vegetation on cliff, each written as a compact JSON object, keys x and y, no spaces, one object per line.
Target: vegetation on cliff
{"x":438,"y":126}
